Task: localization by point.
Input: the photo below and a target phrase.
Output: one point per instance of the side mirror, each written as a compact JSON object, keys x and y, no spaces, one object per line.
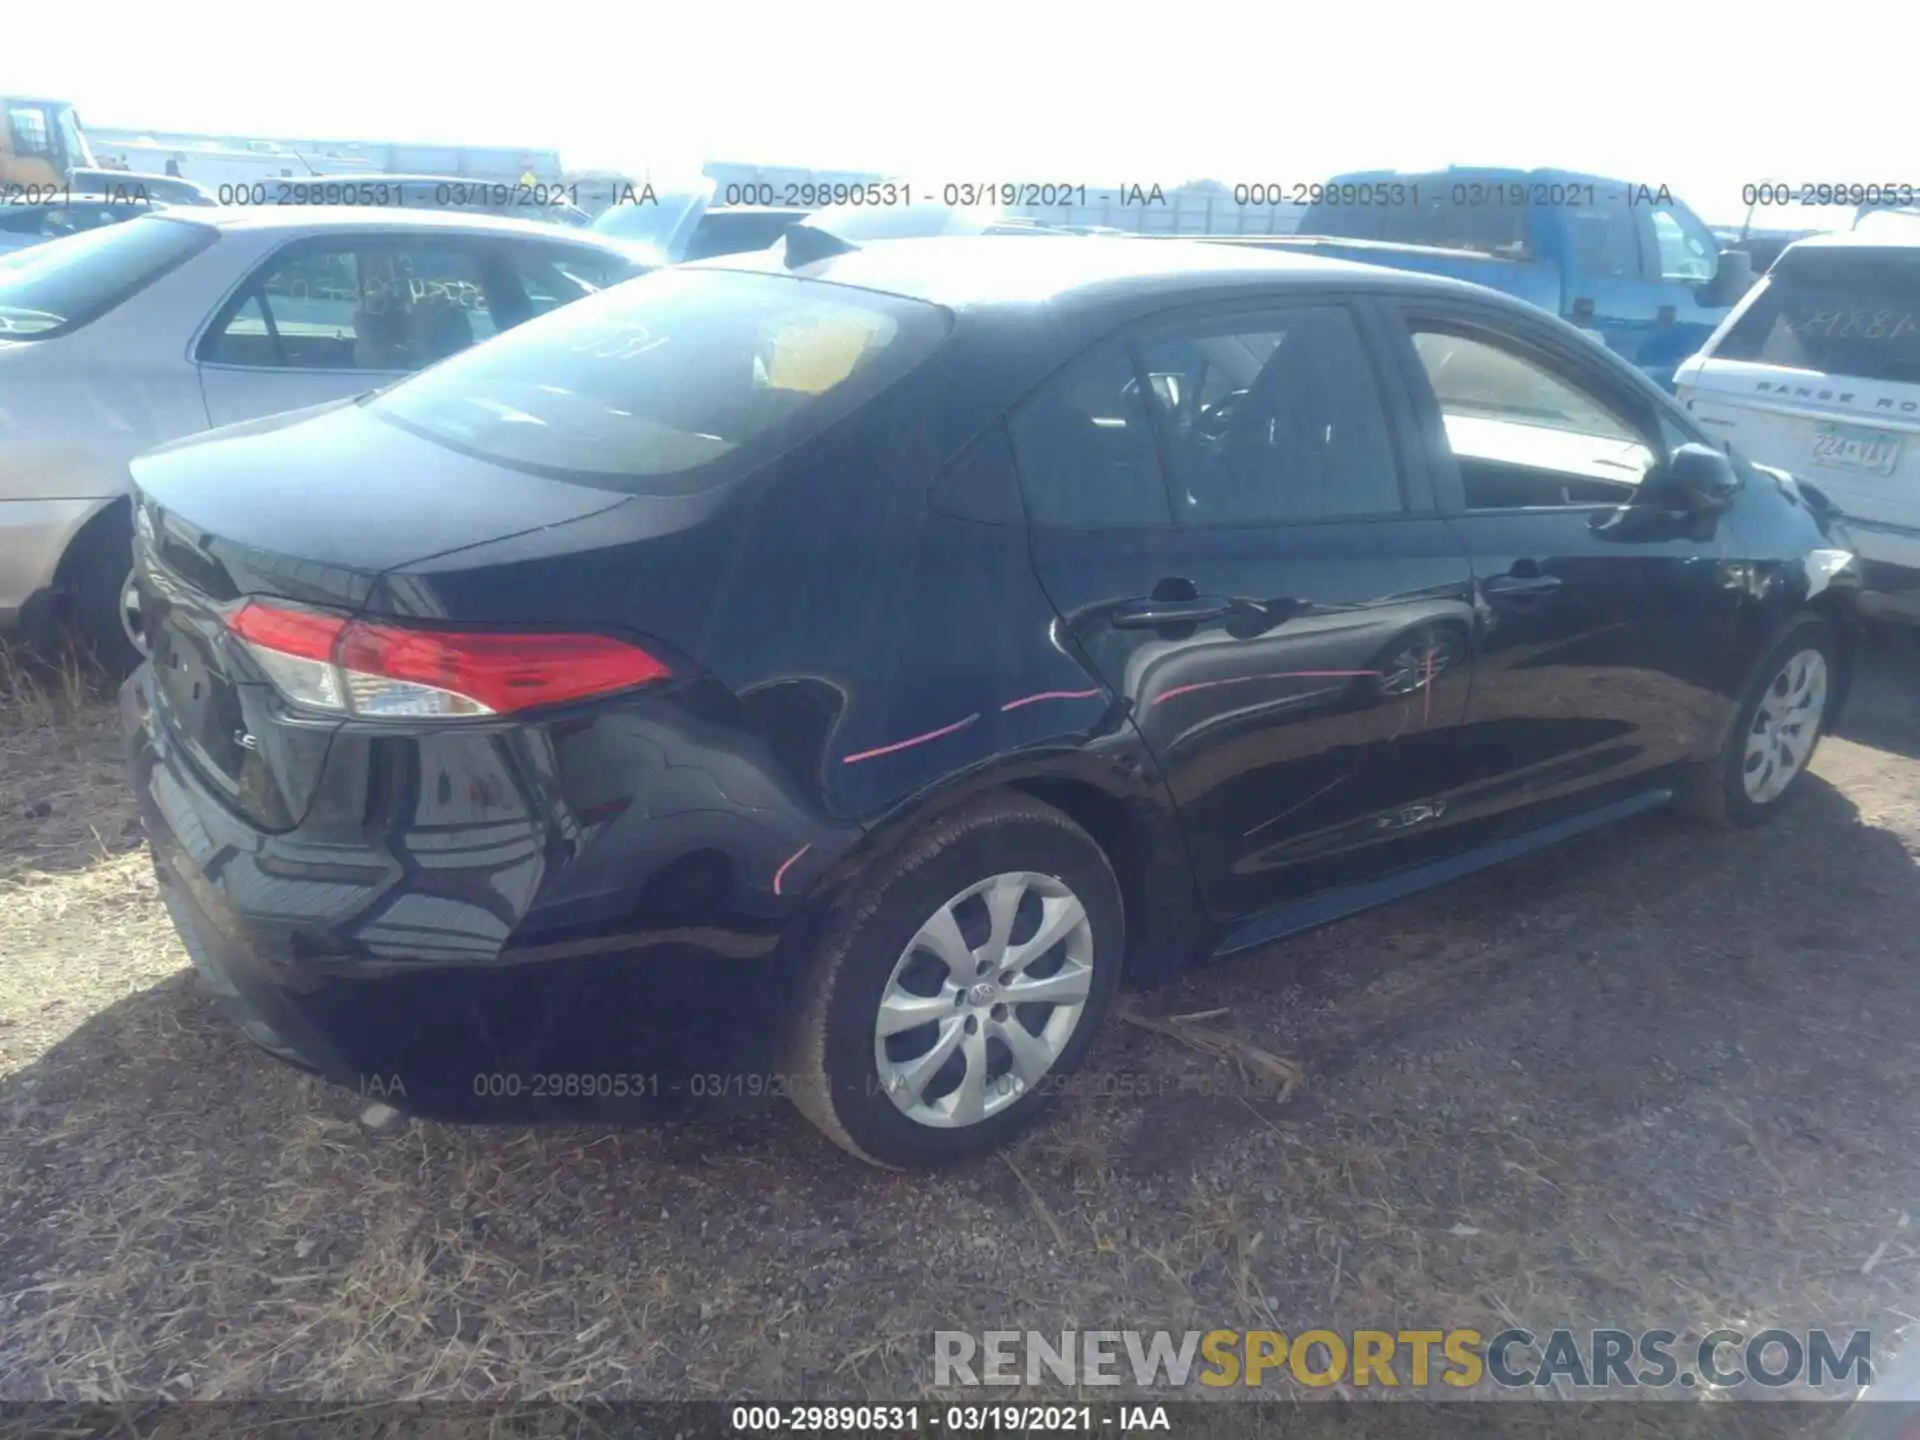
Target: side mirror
{"x":1697,"y":479}
{"x":1732,"y":278}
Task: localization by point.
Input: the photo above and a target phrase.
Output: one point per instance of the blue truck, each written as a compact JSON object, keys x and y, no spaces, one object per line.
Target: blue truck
{"x":1627,"y":263}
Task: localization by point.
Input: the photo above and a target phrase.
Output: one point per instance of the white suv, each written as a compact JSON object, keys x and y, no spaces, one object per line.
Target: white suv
{"x":1817,"y":371}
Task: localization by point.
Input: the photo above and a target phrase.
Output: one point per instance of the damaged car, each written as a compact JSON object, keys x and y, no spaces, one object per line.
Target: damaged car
{"x":830,"y":674}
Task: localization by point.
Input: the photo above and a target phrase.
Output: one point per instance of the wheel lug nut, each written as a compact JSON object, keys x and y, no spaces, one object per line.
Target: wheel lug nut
{"x":999,"y":1012}
{"x":973,"y":1023}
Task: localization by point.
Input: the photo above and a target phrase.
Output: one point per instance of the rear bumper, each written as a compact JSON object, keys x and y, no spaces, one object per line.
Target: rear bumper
{"x":636,"y":1025}
{"x":1889,"y":567}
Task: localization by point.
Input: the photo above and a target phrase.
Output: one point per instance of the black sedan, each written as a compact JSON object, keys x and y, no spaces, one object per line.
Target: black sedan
{"x":832,"y":672}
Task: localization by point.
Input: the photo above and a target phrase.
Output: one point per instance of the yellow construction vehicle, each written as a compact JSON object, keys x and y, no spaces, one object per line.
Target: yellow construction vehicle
{"x":41,"y":144}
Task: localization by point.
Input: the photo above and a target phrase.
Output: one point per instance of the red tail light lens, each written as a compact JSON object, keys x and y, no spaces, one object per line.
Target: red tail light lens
{"x":376,"y":670}
{"x":295,"y":648}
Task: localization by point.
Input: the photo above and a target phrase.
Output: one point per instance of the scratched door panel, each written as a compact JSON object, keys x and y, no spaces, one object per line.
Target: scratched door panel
{"x":1294,"y":729}
{"x":1283,"y":629}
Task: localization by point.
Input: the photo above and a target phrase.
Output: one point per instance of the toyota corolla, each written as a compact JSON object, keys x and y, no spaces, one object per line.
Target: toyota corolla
{"x":833,"y":672}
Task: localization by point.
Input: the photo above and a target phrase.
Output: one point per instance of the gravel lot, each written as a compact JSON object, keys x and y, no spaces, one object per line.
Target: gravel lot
{"x":1661,"y":1076}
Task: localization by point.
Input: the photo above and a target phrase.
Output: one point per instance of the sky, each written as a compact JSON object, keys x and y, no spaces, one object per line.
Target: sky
{"x":1700,"y":97}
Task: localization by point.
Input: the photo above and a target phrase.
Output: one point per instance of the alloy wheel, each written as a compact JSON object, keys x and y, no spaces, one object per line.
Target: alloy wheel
{"x":984,"y":999}
{"x":1785,"y":726}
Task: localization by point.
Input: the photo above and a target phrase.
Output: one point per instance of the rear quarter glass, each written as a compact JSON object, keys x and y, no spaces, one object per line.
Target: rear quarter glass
{"x":670,"y":384}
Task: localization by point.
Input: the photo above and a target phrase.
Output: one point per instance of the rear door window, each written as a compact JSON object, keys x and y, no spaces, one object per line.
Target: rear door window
{"x":382,"y":303}
{"x":1852,"y":311}
{"x":672,"y":383}
{"x":1273,"y":419}
{"x":52,"y":288}
{"x":549,"y":276}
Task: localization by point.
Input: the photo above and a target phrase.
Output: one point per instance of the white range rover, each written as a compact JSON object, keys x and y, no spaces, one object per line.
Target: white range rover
{"x":1817,"y":372}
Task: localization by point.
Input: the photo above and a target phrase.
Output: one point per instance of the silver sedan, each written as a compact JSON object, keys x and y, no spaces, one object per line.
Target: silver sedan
{"x":120,"y":339}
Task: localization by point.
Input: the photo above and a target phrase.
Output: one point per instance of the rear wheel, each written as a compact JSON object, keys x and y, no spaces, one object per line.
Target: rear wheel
{"x":96,"y":578}
{"x":1773,"y":736}
{"x":966,"y":982}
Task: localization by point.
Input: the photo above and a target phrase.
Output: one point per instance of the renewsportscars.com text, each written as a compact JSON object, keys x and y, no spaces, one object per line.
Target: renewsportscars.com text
{"x":1390,"y":1359}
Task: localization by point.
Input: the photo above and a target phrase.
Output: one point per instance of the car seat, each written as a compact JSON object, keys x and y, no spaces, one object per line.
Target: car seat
{"x":438,"y":327}
{"x":1277,"y":457}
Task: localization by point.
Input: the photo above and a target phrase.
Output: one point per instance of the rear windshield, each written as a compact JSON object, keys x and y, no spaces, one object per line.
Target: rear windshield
{"x":671,"y":383}
{"x":1839,"y":311}
{"x":48,"y":290}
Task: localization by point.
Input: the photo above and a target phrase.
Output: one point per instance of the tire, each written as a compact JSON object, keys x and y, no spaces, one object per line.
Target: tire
{"x":959,"y":867}
{"x":1773,"y":736}
{"x":100,"y":567}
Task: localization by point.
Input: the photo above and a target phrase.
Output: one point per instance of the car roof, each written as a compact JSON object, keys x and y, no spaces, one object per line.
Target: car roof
{"x":377,"y":217}
{"x":1882,"y":237}
{"x":964,"y":271}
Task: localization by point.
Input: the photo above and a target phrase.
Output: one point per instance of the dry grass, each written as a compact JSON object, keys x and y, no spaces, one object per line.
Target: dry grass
{"x":70,"y":862}
{"x":1658,"y":1077}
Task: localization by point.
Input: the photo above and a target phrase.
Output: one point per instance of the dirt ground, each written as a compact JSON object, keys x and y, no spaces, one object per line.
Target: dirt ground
{"x":1661,"y":1076}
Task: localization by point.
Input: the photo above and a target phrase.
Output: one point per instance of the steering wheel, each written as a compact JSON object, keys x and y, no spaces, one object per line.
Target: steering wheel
{"x":1214,"y":418}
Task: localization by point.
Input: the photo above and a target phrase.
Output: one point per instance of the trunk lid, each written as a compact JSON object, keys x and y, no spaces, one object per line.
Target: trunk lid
{"x":242,"y":512}
{"x":317,"y":515}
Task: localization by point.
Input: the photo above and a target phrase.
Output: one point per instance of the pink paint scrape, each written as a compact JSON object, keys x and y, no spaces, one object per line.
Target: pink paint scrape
{"x":911,"y":742}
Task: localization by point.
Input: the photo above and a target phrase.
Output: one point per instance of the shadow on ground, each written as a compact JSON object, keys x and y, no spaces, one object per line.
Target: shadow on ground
{"x":1661,"y":1076}
{"x":1884,"y":713}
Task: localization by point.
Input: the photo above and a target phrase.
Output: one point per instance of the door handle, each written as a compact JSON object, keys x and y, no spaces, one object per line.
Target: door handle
{"x":1148,"y":613}
{"x":1520,"y":587}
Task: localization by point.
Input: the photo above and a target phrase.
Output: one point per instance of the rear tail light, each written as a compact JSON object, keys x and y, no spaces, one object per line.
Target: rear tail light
{"x":379,"y":671}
